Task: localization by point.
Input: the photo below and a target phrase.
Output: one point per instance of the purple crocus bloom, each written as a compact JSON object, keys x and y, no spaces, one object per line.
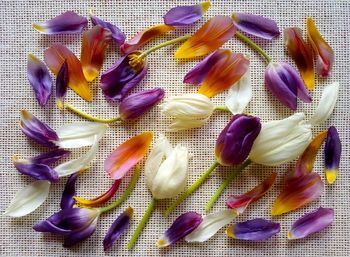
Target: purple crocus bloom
{"x":67,"y":199}
{"x":139,"y":103}
{"x":236,"y":139}
{"x":332,"y":153}
{"x":75,"y":224}
{"x":285,"y":84}
{"x":62,"y":81}
{"x":117,"y":35}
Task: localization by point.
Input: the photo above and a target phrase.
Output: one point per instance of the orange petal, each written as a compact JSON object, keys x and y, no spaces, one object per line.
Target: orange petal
{"x":94,"y":43}
{"x":127,"y":155}
{"x":213,"y":34}
{"x":54,"y":57}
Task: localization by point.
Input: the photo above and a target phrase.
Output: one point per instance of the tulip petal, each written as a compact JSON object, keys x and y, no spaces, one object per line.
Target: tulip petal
{"x":50,"y":157}
{"x":62,"y":81}
{"x":256,"y":25}
{"x":66,"y":23}
{"x":78,"y":236}
{"x":28,"y":199}
{"x":55,"y":56}
{"x":181,"y":227}
{"x":117,"y":228}
{"x":117,"y":35}
{"x":127,"y":155}
{"x":322,"y":49}
{"x":37,"y":171}
{"x":311,"y":222}
{"x":302,"y":55}
{"x":326,"y":104}
{"x":332,"y":153}
{"x":211,"y":224}
{"x":67,"y":199}
{"x":208,"y":38}
{"x":180,"y":124}
{"x":254,"y":230}
{"x":297,"y":193}
{"x":241,"y":202}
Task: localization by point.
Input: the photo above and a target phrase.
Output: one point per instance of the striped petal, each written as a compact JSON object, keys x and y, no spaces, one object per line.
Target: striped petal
{"x":241,"y":202}
{"x":117,"y":35}
{"x":67,"y":199}
{"x":55,"y":56}
{"x":127,"y":155}
{"x":36,"y":170}
{"x":208,"y":38}
{"x":332,"y":153}
{"x":321,"y":48}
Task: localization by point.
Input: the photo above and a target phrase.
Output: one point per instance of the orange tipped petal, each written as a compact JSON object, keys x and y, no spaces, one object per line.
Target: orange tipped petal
{"x":95,"y":42}
{"x":55,"y":56}
{"x":213,"y":34}
{"x":127,"y":155}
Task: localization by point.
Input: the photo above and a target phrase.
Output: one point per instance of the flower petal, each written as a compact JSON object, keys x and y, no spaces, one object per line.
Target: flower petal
{"x":241,"y":202}
{"x":302,"y":55}
{"x":181,"y":227}
{"x":127,"y":155}
{"x":55,"y":56}
{"x":50,"y":157}
{"x":211,"y":224}
{"x":36,"y":171}
{"x":66,"y":23}
{"x":40,"y":79}
{"x":28,"y":199}
{"x":185,"y":15}
{"x":117,"y":35}
{"x":67,"y":199}
{"x":322,"y":49}
{"x":297,"y":193}
{"x":311,"y":222}
{"x":179,"y":124}
{"x":255,"y":230}
{"x":256,"y":25}
{"x":144,"y":36}
{"x":78,"y":236}
{"x":208,"y":38}
{"x":117,"y":228}
{"x":332,"y":153}
{"x":62,"y":81}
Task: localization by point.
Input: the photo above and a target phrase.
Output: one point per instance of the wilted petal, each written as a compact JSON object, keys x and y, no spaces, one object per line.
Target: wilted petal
{"x":256,"y":25}
{"x":255,"y":230}
{"x":127,"y":155}
{"x":117,"y":35}
{"x":78,"y":236}
{"x":36,"y":170}
{"x":332,"y":154}
{"x":67,"y":199}
{"x":208,"y":38}
{"x":28,"y":199}
{"x":323,"y":50}
{"x":297,"y":193}
{"x":302,"y":55}
{"x":211,"y":224}
{"x":311,"y":223}
{"x":55,"y":56}
{"x":181,"y":227}
{"x":241,"y":202}
{"x":65,"y":23}
{"x":62,"y":81}
{"x":50,"y":157}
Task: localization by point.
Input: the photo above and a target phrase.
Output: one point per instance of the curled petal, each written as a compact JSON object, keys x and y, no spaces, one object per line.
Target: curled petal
{"x":180,"y":124}
{"x":40,"y":79}
{"x":255,"y":230}
{"x":55,"y":56}
{"x":50,"y":157}
{"x":332,"y":153}
{"x":208,"y":38}
{"x":65,"y":23}
{"x":311,"y":222}
{"x":117,"y":35}
{"x":302,"y":55}
{"x":322,"y":49}
{"x":241,"y":202}
{"x":62,"y":81}
{"x":256,"y":25}
{"x":67,"y":199}
{"x":37,"y":171}
{"x":80,"y":235}
{"x":181,"y":227}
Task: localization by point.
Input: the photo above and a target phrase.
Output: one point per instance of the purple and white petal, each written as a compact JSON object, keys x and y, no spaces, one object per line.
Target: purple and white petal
{"x":37,"y":171}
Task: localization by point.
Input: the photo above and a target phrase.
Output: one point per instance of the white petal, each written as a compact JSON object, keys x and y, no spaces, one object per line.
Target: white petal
{"x":80,"y":134}
{"x":326,"y":105}
{"x":211,"y":224}
{"x":28,"y":199}
{"x":240,"y":94}
{"x":179,"y":124}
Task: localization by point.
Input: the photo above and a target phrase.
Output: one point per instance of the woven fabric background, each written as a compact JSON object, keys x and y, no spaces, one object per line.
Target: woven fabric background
{"x":18,"y":38}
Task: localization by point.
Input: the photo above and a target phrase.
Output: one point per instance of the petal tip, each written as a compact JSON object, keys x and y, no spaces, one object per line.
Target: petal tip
{"x":331,"y":175}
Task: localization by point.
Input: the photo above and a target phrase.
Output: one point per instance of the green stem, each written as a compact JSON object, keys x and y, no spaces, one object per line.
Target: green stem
{"x":222,"y":109}
{"x":224,"y":184}
{"x":142,"y":223}
{"x":253,"y":45}
{"x":127,"y":192}
{"x":191,"y":189}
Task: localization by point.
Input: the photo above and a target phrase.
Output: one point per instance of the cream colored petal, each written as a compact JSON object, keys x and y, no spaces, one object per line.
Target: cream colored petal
{"x":179,"y":124}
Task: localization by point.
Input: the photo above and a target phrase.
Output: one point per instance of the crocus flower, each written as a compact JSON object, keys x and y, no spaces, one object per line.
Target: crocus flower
{"x":67,"y":199}
{"x":185,"y":15}
{"x":285,"y":84}
{"x":117,"y":35}
{"x":62,"y":81}
{"x":65,"y":23}
{"x":311,"y":223}
{"x":40,"y":79}
{"x":332,"y":153}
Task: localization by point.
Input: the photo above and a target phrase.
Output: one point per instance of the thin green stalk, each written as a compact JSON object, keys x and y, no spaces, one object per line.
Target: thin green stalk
{"x":222,"y":108}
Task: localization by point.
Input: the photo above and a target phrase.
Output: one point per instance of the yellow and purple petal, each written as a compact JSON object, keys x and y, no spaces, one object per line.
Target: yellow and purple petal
{"x":36,"y":170}
{"x":67,"y":199}
{"x":332,"y":152}
{"x":117,"y":35}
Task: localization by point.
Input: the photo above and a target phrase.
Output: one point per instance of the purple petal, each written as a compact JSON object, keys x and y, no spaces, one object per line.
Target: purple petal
{"x":37,"y":171}
{"x":256,"y":25}
{"x":139,"y":103}
{"x":65,"y":23}
{"x":311,"y":223}
{"x":117,"y":228}
{"x":117,"y":35}
{"x":50,"y":157}
{"x":40,"y":79}
{"x":67,"y":199}
{"x":62,"y":80}
{"x":255,"y":230}
{"x":182,"y":226}
{"x":332,"y":153}
{"x":81,"y":234}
